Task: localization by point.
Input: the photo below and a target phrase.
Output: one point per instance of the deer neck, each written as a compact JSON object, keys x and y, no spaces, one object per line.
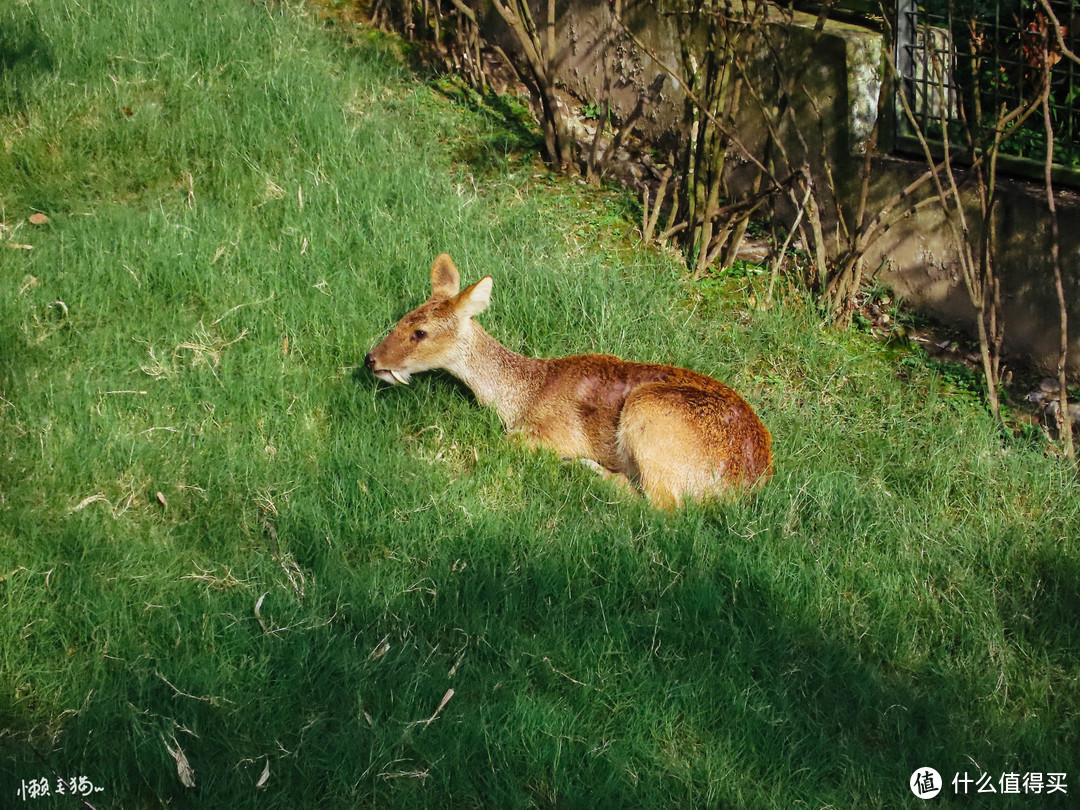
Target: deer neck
{"x":500,"y":378}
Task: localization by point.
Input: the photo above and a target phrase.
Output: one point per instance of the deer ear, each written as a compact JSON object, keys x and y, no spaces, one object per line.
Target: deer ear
{"x":445,"y":280}
{"x":475,"y":299}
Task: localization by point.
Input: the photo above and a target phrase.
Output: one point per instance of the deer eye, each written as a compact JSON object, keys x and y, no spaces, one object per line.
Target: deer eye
{"x":419,"y":334}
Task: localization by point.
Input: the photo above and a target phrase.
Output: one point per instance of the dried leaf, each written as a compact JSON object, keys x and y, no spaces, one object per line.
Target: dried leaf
{"x":381,"y":649}
{"x":258,"y":612}
{"x":265,"y":775}
{"x":162,"y":501}
{"x":183,"y":767}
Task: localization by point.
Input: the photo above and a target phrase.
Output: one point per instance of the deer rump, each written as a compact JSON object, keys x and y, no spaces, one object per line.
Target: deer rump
{"x":678,"y":428}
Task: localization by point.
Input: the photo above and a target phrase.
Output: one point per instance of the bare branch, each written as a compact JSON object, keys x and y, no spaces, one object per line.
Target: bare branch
{"x":1063,"y":419}
{"x":720,"y":125}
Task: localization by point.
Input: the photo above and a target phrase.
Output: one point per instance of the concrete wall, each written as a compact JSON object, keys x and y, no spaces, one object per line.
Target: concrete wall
{"x":922,"y":264}
{"x":842,"y":69}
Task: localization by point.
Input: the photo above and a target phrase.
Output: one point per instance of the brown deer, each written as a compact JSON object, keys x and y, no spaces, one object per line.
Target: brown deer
{"x":674,"y":433}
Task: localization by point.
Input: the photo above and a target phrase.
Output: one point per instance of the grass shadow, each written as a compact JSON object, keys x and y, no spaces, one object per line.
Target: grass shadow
{"x":512,"y":133}
{"x":24,"y":54}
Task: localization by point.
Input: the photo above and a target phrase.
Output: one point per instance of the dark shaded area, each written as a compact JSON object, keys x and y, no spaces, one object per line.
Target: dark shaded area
{"x":512,"y":138}
{"x":24,"y":54}
{"x":1044,"y":606}
{"x":810,"y":713}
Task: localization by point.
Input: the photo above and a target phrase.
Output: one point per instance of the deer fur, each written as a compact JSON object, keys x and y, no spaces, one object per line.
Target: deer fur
{"x":677,"y":434}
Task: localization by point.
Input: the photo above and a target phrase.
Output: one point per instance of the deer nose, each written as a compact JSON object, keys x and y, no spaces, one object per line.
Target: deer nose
{"x":369,"y":361}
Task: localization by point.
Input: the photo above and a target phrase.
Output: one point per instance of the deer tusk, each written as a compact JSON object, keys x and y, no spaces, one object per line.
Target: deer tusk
{"x":398,"y":377}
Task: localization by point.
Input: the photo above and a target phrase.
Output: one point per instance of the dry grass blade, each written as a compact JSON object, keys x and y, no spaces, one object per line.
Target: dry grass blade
{"x":404,"y":775}
{"x":10,"y":574}
{"x":265,"y":776}
{"x":85,"y":502}
{"x":258,"y":612}
{"x":183,"y":767}
{"x":212,"y":700}
{"x":294,"y":575}
{"x":230,"y":311}
{"x":381,"y":649}
{"x":442,"y":705}
{"x":215,"y":581}
{"x":454,"y":668}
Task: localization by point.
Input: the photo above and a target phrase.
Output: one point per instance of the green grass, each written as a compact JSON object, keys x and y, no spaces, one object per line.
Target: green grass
{"x":328,"y":557}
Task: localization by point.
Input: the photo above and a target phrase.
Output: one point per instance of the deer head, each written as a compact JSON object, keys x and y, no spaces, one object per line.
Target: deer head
{"x":435,"y":333}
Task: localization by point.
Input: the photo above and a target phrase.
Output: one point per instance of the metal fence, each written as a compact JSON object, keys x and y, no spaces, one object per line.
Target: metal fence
{"x":968,"y":69}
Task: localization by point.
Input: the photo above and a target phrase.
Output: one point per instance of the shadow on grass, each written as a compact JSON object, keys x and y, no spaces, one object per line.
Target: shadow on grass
{"x":24,"y":53}
{"x":618,"y":659}
{"x":1046,"y":610}
{"x":513,"y":132}
{"x":12,"y":354}
{"x":584,"y":674}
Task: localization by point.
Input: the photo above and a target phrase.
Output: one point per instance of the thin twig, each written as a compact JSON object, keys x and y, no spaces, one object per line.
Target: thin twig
{"x":213,"y":701}
{"x":779,"y":258}
{"x":1063,"y":419}
{"x":723,"y":128}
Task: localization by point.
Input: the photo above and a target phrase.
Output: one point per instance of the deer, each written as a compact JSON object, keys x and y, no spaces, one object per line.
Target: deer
{"x":673,"y":434}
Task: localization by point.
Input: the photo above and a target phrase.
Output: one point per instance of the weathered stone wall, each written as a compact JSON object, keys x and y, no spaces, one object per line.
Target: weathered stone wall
{"x":922,"y":266}
{"x":841,"y":68}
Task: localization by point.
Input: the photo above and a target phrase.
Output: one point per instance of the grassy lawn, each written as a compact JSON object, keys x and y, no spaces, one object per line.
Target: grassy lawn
{"x":219,"y":536}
